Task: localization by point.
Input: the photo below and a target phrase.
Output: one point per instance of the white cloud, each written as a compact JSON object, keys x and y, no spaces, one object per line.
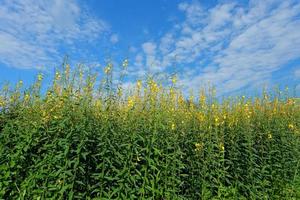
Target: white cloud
{"x":166,"y":43}
{"x":231,"y":45}
{"x":32,"y":33}
{"x":152,"y":62}
{"x":149,"y":48}
{"x":298,"y":89}
{"x":132,"y":49}
{"x":114,"y":38}
{"x":20,"y":53}
{"x":138,"y":60}
{"x":297,"y":73}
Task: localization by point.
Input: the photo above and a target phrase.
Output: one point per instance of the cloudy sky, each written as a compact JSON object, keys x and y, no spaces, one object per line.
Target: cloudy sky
{"x":234,"y":45}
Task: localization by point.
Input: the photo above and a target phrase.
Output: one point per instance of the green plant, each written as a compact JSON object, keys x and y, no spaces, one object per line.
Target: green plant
{"x":82,"y":142}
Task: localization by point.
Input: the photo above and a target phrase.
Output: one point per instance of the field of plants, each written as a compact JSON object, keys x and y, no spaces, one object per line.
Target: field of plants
{"x":89,"y":138}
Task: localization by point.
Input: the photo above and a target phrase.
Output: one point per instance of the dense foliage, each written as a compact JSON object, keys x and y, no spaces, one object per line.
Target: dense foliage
{"x":79,"y":141}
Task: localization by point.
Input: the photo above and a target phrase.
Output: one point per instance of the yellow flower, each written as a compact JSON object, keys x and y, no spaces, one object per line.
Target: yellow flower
{"x":181,"y":100}
{"x":40,"y":77}
{"x":212,"y":106}
{"x":80,"y":75}
{"x":57,"y":76}
{"x":49,"y":94}
{"x":173,"y":126}
{"x":120,"y":92}
{"x":202,"y":98}
{"x":139,"y":84}
{"x":291,"y":126}
{"x":107,"y":69}
{"x":45,"y":116}
{"x":222,"y":148}
{"x":130,"y":102}
{"x":174,"y":79}
{"x":98,"y":103}
{"x":153,"y":87}
{"x":191,"y":98}
{"x":269,"y":136}
{"x":200,"y":117}
{"x":11,"y":100}
{"x":2,"y":102}
{"x":198,"y":146}
{"x":26,"y":97}
{"x":125,"y":63}
{"x":217,"y":119}
{"x":67,"y":70}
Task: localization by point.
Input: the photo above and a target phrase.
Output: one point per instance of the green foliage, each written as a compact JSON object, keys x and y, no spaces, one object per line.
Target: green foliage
{"x":82,"y":142}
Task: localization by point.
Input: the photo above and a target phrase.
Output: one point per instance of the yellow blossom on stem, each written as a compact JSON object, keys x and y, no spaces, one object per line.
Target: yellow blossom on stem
{"x":67,"y":71}
{"x":200,"y":117}
{"x":80,"y":76}
{"x":57,"y":76}
{"x":213,"y":106}
{"x":198,"y":146}
{"x":153,"y":87}
{"x":181,"y":100}
{"x":269,"y":136}
{"x":217,"y":120}
{"x":120,"y":92}
{"x":98,"y":103}
{"x":174,"y":79}
{"x":139,"y":84}
{"x":125,"y":63}
{"x":107,"y":69}
{"x":2,"y":102}
{"x":173,"y":126}
{"x":26,"y":97}
{"x":130,"y":102}
{"x":222,"y":148}
{"x":40,"y":77}
{"x":191,"y":98}
{"x":202,"y":98}
{"x":291,"y":126}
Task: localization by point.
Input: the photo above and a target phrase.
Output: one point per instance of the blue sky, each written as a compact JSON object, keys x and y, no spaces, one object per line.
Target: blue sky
{"x":238,"y":46}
